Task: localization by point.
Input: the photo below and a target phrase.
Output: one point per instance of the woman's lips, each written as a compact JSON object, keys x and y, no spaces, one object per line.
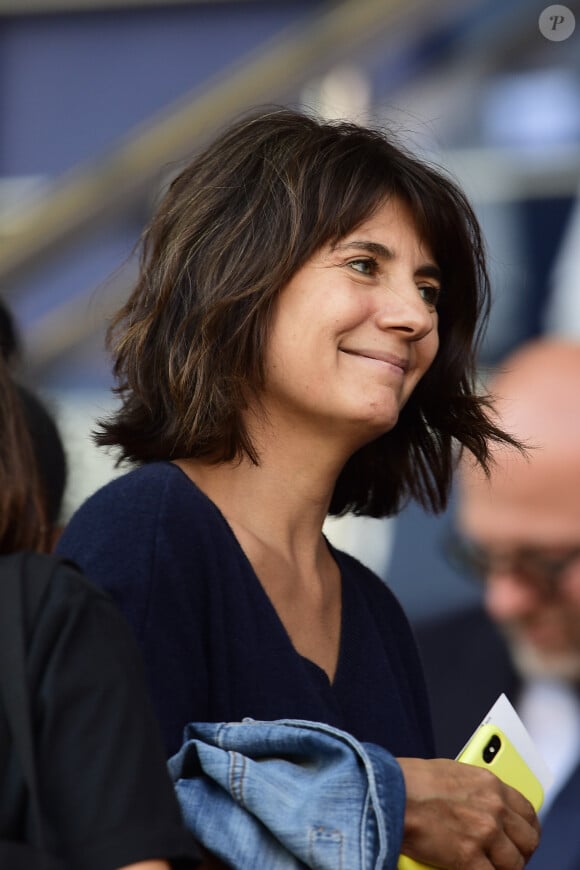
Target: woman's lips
{"x":378,"y":356}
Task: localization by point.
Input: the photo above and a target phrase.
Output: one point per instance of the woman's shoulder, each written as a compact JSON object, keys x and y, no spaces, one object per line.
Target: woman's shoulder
{"x":366,"y":580}
{"x":149,"y":481}
{"x":140,"y":534}
{"x":132,"y":504}
{"x":375,"y":596}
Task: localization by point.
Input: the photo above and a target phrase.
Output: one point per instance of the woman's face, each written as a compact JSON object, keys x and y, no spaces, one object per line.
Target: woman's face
{"x":354,"y":330}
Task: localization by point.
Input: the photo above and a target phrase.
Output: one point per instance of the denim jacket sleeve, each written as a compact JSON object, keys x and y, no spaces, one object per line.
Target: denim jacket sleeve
{"x":290,"y":794}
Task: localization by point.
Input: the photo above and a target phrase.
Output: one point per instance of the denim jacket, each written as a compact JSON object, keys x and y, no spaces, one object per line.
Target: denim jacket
{"x":290,"y":794}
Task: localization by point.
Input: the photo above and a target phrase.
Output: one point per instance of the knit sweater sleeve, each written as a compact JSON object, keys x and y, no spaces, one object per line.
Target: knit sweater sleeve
{"x":130,"y":538}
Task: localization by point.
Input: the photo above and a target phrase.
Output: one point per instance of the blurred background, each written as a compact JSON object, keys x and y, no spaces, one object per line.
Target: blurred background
{"x":100,"y":102}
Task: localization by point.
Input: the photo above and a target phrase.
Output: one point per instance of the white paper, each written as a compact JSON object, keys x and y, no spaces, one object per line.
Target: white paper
{"x":503,"y":716}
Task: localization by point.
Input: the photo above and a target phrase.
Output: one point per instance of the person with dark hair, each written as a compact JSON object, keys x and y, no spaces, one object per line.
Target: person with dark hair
{"x":47,"y":445}
{"x":50,"y":458}
{"x":300,"y":341}
{"x":23,"y":509}
{"x":100,"y":796}
{"x":10,"y":345}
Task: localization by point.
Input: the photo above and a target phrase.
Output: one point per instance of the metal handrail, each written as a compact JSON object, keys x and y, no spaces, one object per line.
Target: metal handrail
{"x":89,"y":193}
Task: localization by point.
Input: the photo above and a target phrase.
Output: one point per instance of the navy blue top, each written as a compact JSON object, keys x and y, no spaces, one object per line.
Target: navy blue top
{"x":214,"y":647}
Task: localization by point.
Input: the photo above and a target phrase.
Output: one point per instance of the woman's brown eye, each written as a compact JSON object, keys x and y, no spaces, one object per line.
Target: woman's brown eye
{"x":430,"y":293}
{"x":364,"y":265}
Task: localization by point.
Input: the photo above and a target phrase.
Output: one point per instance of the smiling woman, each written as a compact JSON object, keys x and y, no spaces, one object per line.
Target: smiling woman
{"x":300,"y":341}
{"x":366,"y":298}
{"x":236,"y":225}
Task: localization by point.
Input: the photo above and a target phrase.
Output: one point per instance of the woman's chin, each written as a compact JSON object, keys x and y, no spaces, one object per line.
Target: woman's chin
{"x":372,"y":427}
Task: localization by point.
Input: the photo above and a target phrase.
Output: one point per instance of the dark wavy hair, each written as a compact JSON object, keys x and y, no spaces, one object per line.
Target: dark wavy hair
{"x":23,"y":511}
{"x":233,"y":228}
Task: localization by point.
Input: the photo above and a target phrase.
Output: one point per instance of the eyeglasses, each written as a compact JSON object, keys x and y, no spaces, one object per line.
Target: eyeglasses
{"x":536,"y":568}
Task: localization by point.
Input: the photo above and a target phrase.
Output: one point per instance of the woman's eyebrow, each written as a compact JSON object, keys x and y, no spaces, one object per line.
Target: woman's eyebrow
{"x":429,"y":270}
{"x":425,"y":270}
{"x":372,"y":247}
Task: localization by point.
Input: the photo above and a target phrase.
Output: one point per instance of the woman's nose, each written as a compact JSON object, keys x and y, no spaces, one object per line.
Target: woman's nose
{"x":403,"y":308}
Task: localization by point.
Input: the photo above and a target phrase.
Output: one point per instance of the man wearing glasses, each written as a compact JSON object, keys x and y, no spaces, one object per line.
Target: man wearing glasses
{"x":518,"y":533}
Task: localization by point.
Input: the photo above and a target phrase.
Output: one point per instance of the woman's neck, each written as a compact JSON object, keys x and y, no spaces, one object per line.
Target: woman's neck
{"x":283,"y":500}
{"x":283,"y":506}
{"x":276,"y":511}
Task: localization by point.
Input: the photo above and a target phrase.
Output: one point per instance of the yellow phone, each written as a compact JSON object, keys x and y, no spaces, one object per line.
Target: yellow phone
{"x":490,"y":748}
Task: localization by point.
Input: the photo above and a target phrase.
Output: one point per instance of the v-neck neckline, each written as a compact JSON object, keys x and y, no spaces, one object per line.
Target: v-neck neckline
{"x":266,"y":598}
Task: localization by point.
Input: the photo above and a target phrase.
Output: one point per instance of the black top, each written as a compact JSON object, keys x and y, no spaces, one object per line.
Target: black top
{"x":104,"y":789}
{"x":214,"y":647}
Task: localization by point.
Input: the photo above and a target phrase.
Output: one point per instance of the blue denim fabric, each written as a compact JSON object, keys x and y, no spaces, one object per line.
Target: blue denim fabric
{"x":290,"y":794}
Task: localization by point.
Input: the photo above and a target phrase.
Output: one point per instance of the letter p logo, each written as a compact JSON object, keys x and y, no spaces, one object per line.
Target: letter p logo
{"x":557,"y":23}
